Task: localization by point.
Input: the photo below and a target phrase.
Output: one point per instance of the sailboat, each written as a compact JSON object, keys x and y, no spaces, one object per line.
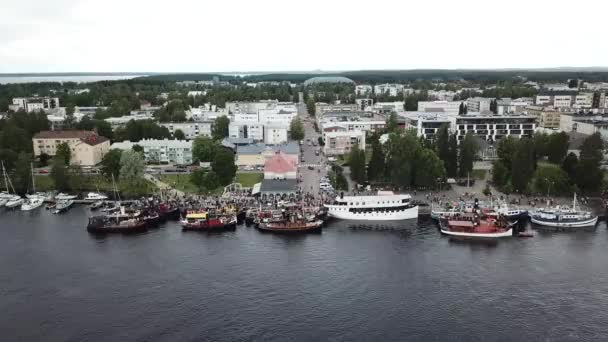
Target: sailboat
{"x":564,"y":217}
{"x":33,"y":201}
{"x":12,"y":200}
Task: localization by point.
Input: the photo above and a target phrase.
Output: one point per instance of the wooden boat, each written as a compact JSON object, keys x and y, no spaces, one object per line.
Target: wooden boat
{"x":297,"y":226}
{"x":168,"y":212}
{"x":202,"y":221}
{"x":473,"y":226}
{"x":113,"y":224}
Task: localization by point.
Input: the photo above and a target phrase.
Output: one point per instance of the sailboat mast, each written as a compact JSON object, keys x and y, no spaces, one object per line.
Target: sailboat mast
{"x":33,"y":181}
{"x":4,"y":176}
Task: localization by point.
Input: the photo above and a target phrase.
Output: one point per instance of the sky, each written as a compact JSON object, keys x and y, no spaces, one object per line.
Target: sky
{"x":286,"y":35}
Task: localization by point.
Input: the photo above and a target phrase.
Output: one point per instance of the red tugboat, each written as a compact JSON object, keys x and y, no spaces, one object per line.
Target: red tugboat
{"x":116,"y":224}
{"x":202,"y":221}
{"x":474,"y":226}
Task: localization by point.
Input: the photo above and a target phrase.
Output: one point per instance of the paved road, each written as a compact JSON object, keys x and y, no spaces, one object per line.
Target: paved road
{"x":310,"y":178}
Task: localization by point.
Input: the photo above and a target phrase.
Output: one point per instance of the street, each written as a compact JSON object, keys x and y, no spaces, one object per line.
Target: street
{"x":310,"y":178}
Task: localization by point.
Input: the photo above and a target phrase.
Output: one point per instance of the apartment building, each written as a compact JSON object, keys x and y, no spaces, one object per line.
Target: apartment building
{"x":340,"y":142}
{"x":449,"y":107}
{"x":33,"y":104}
{"x":390,"y":89}
{"x":191,"y":129}
{"x":363,"y":90}
{"x":165,"y":151}
{"x":478,"y":104}
{"x":494,"y":127}
{"x":274,"y":135}
{"x":425,"y":124}
{"x":87,"y":147}
{"x":322,"y":108}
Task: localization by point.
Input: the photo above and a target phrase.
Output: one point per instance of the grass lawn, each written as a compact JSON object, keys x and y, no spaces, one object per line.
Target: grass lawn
{"x":93,"y":183}
{"x":479,"y":174}
{"x":249,"y":179}
{"x":180,"y":182}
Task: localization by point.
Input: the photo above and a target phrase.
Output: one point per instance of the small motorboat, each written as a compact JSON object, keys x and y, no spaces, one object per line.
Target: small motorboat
{"x":64,"y":197}
{"x":14,"y":202}
{"x":95,"y":196}
{"x":32,"y":203}
{"x":96,"y":205}
{"x":63,"y":206}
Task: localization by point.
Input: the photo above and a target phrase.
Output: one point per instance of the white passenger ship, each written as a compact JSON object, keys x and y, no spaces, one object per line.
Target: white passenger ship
{"x":386,"y":206}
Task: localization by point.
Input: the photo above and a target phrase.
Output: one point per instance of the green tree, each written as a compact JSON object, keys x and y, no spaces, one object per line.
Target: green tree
{"x":429,"y":168}
{"x":132,"y":166}
{"x":569,"y":166}
{"x":179,"y":134}
{"x":204,"y":149}
{"x":557,"y":147}
{"x":551,"y":180}
{"x":21,"y":176}
{"x":137,"y":148}
{"x":356,"y":161}
{"x":442,"y":143}
{"x":541,"y":144}
{"x":9,"y":158}
{"x":451,"y":163}
{"x":506,"y":150}
{"x":310,"y":106}
{"x":320,"y":141}
{"x":43,"y":159}
{"x":197,"y":177}
{"x":522,"y":168}
{"x":461,"y":108}
{"x":500,"y":174}
{"x":592,"y":147}
{"x":223,"y":166}
{"x":59,"y":174}
{"x":220,"y":128}
{"x":466,"y":155}
{"x":104,"y":129}
{"x":110,"y":164}
{"x":392,"y":125}
{"x":588,"y":175}
{"x":296,"y":129}
{"x":64,"y":152}
{"x":211,"y":181}
{"x":375,"y":171}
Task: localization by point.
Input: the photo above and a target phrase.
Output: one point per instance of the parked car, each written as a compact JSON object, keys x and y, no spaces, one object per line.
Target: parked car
{"x":311,"y":167}
{"x":44,"y":172}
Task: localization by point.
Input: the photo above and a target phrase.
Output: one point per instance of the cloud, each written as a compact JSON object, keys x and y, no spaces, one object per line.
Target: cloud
{"x":245,"y":35}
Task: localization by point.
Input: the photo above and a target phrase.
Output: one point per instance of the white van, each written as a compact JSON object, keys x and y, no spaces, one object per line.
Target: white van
{"x":325,"y":186}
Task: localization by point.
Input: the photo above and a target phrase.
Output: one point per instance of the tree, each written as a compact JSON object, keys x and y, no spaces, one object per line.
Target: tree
{"x":59,"y":174}
{"x":461,"y":108}
{"x":310,"y":106}
{"x":392,"y":125}
{"x":204,"y":149}
{"x":21,"y":176}
{"x":375,"y":171}
{"x":465,"y":110}
{"x":64,"y":152}
{"x":132,"y":166}
{"x":522,"y":168}
{"x":137,"y":148}
{"x":104,"y":129}
{"x":451,"y":163}
{"x":506,"y":150}
{"x":356,"y":161}
{"x":179,"y":134}
{"x":69,"y":115}
{"x":500,"y":174}
{"x":220,"y":128}
{"x":211,"y":181}
{"x":321,"y":142}
{"x":110,"y":164}
{"x":43,"y":158}
{"x":588,"y":175}
{"x":541,"y":144}
{"x":466,"y":155}
{"x":223,"y":166}
{"x":569,"y":165}
{"x":557,"y":147}
{"x":197,"y":177}
{"x":296,"y":129}
{"x":429,"y":168}
{"x":592,"y":147}
{"x":551,"y":179}
{"x":573,"y":83}
{"x":442,"y":144}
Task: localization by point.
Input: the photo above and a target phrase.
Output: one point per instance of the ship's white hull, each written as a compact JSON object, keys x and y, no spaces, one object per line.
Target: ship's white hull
{"x":507,"y":233}
{"x":565,"y":224}
{"x":32,"y":204}
{"x":14,"y":203}
{"x":340,"y":212}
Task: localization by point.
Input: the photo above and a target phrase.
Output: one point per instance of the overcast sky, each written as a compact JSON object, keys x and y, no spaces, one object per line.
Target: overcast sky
{"x":273,"y":35}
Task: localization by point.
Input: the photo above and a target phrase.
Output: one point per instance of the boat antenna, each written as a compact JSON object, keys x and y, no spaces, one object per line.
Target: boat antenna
{"x":4,"y":176}
{"x":116,"y":193}
{"x":574,"y":203}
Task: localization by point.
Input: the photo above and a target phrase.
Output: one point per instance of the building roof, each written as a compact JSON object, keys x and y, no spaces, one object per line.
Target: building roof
{"x":88,"y":137}
{"x":289,"y":148}
{"x":250,"y":149}
{"x":278,"y":185}
{"x":328,"y":79}
{"x":279,"y":163}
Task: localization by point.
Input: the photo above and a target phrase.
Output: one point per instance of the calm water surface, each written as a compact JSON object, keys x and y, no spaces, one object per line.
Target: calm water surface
{"x":350,"y":283}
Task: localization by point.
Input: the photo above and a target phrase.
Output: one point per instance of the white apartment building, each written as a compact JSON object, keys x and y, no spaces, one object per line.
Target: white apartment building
{"x":388,"y":107}
{"x":364,"y":104}
{"x":478,"y":104}
{"x":276,"y":117}
{"x":191,"y":129}
{"x":562,"y":101}
{"x":205,"y":113}
{"x":197,"y":93}
{"x":442,"y":95}
{"x":494,"y":127}
{"x":162,"y":151}
{"x":274,"y":135}
{"x":426,"y":124}
{"x":34,"y":104}
{"x":363,"y":90}
{"x":342,"y":142}
{"x":543,"y":100}
{"x":352,"y":125}
{"x":388,"y":89}
{"x":583,"y":100}
{"x":449,"y":107}
{"x":253,"y":131}
{"x":122,"y":121}
{"x":508,"y":106}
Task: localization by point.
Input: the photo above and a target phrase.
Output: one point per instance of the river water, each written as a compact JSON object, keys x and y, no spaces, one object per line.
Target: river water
{"x":394,"y":282}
